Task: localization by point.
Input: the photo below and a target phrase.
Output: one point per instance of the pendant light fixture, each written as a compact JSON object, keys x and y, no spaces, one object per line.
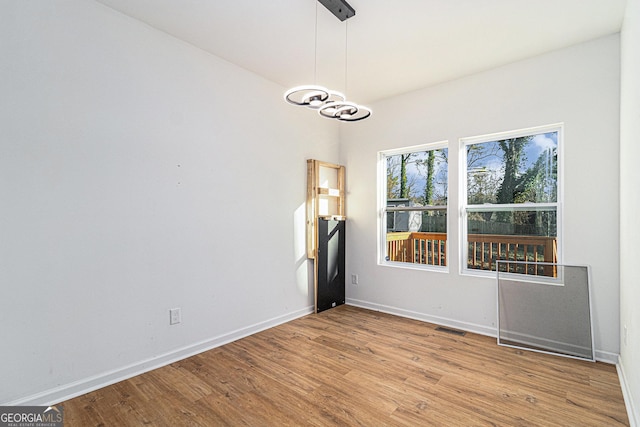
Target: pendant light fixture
{"x":329,"y":103}
{"x":312,"y":96}
{"x":342,"y":109}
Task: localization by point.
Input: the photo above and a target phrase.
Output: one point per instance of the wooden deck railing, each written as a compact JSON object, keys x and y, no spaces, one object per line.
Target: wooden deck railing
{"x":484,"y":251}
{"x":418,"y":248}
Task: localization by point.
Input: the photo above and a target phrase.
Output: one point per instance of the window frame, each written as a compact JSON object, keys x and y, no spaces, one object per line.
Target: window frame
{"x":382,"y":208}
{"x":464,"y":207}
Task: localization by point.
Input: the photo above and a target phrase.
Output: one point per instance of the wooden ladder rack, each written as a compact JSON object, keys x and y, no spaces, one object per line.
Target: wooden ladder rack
{"x":323,"y":200}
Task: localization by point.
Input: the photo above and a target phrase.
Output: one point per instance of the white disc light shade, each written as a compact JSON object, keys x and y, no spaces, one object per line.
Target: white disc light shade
{"x":312,"y":96}
{"x":344,"y":111}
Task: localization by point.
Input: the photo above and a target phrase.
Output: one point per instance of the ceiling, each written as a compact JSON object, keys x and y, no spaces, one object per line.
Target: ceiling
{"x":387,"y":48}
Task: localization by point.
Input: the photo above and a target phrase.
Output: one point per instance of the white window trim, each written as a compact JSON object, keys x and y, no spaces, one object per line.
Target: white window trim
{"x":382,"y":208}
{"x":462,"y":191}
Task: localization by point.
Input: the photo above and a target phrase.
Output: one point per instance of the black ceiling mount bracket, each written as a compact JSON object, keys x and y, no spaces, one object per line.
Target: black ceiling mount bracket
{"x":340,"y":8}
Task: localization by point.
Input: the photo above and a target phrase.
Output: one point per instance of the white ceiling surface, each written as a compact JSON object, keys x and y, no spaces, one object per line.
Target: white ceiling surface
{"x":390,"y":46}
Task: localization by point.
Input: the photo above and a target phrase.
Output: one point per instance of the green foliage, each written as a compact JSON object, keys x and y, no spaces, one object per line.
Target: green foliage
{"x":428,"y":188}
{"x":538,"y":184}
{"x":513,"y":158}
{"x":517,"y":181}
{"x":420,"y":177}
{"x":404,"y":188}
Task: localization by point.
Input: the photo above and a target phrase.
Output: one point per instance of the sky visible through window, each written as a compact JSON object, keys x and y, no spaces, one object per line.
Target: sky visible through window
{"x":526,"y":165}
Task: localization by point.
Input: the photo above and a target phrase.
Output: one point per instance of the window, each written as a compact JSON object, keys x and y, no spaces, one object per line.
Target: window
{"x":413,"y":206}
{"x":511,"y":201}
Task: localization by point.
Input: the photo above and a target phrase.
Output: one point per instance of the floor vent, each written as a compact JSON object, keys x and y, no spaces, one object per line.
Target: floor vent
{"x":451,"y":331}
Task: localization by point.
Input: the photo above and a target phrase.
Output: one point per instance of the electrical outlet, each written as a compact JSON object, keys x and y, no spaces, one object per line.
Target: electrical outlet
{"x":354,"y":279}
{"x":175,"y":316}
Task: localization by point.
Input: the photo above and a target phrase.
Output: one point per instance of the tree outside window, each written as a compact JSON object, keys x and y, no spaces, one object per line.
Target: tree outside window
{"x":415,"y":205}
{"x":512,"y":201}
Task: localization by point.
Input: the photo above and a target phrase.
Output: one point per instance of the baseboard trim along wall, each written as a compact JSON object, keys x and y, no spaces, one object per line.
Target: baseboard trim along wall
{"x":602,"y":356}
{"x":632,"y":411}
{"x":543,"y":342}
{"x":443,"y":321}
{"x":86,"y":385}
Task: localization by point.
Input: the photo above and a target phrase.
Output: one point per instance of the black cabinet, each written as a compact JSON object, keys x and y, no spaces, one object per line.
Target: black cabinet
{"x":330,"y":290}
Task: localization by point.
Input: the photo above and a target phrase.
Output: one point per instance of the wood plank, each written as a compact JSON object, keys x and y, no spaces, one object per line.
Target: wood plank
{"x":351,"y":366}
{"x":311,"y":210}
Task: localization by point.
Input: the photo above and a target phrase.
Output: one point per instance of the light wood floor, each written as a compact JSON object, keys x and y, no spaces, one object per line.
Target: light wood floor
{"x":349,"y":366}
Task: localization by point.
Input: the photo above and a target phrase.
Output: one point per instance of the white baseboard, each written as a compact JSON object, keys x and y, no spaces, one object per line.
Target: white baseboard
{"x":86,"y":385}
{"x":601,"y":356}
{"x":526,"y":340}
{"x":443,"y":321}
{"x":632,"y":412}
{"x":607,"y":357}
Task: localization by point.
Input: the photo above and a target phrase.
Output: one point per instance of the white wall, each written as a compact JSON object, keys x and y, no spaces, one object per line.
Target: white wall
{"x":138,"y":174}
{"x":630,"y":207}
{"x":578,"y":86}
